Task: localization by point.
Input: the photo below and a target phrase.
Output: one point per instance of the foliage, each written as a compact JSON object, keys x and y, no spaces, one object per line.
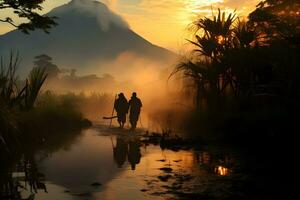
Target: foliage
{"x":8,"y":79}
{"x":240,"y":69}
{"x":34,"y":83}
{"x":9,"y":132}
{"x":44,"y":62}
{"x":52,"y":113}
{"x":93,"y":106}
{"x":217,"y":65}
{"x":277,"y":20}
{"x":27,"y":10}
{"x":11,"y":92}
{"x":230,"y":59}
{"x":12,"y":98}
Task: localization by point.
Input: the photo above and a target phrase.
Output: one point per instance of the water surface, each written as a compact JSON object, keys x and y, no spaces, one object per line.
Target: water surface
{"x":102,"y":163}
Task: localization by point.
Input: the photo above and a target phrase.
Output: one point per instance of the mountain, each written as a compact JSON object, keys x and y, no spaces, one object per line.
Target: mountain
{"x":87,"y":33}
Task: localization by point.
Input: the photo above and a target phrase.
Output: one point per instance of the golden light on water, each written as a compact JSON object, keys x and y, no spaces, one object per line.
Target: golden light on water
{"x":222,"y":171}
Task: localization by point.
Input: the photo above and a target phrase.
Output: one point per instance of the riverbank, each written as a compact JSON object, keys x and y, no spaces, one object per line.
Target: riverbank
{"x":51,"y":115}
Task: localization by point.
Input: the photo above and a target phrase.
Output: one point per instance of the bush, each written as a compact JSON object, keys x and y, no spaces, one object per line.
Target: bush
{"x":53,"y":113}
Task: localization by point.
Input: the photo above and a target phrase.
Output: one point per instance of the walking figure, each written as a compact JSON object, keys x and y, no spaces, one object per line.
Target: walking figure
{"x":121,"y":107}
{"x":135,"y":105}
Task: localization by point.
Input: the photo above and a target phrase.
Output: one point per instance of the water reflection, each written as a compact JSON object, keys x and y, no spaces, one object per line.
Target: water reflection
{"x":124,"y":166}
{"x":120,"y":151}
{"x":223,"y":171}
{"x":127,"y":147}
{"x":134,"y":153}
{"x":20,"y":176}
{"x":219,"y":163}
{"x":24,"y":176}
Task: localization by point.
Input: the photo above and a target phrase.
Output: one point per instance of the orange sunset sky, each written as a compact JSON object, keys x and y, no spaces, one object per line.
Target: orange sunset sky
{"x":162,"y":22}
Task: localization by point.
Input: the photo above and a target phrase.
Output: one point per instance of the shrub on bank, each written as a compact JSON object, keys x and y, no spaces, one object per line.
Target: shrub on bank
{"x":53,"y":113}
{"x":253,"y":125}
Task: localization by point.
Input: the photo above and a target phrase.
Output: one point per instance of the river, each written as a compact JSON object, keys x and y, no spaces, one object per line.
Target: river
{"x":103,"y":163}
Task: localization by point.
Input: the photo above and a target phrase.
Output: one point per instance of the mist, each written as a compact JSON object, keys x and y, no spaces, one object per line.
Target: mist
{"x":104,"y":16}
{"x":96,"y":55}
{"x":163,"y":104}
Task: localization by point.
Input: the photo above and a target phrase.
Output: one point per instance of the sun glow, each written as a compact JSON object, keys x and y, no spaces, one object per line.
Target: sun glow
{"x":197,"y":8}
{"x":220,"y":39}
{"x":161,"y":22}
{"x":194,"y":5}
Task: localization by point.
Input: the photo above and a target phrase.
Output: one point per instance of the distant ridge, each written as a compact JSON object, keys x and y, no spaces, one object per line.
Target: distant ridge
{"x":88,"y":32}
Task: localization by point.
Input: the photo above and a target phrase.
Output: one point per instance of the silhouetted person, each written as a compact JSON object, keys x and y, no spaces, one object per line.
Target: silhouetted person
{"x":120,"y":151}
{"x":134,"y":153}
{"x":121,"y":107}
{"x":135,"y":105}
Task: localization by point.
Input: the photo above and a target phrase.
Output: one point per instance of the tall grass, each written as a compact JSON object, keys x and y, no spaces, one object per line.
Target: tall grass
{"x":92,"y":106}
{"x":8,"y":97}
{"x":28,"y":121}
{"x":9,"y":132}
{"x":14,"y":94}
{"x":8,"y":80}
{"x":14,"y":97}
{"x":34,"y":83}
{"x":53,"y":113}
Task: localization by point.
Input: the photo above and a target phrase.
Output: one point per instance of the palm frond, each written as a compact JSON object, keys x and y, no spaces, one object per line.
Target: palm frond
{"x":34,"y":83}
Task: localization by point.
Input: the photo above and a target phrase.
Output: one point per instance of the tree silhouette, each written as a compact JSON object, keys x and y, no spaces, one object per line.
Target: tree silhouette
{"x":45,"y":62}
{"x":221,"y":60}
{"x":27,"y":10}
{"x":277,"y":20}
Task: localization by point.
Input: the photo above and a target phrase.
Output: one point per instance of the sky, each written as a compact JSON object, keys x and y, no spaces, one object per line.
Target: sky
{"x":162,"y":22}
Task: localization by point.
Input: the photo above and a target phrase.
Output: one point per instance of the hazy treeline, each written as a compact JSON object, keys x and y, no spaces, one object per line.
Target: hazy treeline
{"x":92,"y":105}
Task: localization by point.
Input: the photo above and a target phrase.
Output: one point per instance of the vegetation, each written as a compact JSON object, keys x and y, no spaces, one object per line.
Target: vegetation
{"x":245,"y":74}
{"x":277,"y":19}
{"x":52,"y":113}
{"x":93,"y":106}
{"x":12,"y":97}
{"x":27,"y":10}
{"x":25,"y":162}
{"x":45,"y":62}
{"x":32,"y":121}
{"x":23,"y":111}
{"x":20,"y":113}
